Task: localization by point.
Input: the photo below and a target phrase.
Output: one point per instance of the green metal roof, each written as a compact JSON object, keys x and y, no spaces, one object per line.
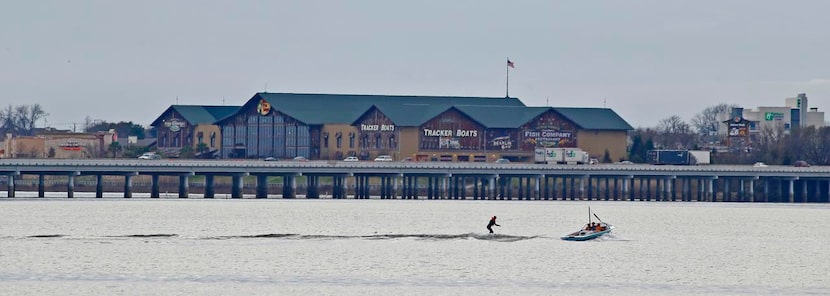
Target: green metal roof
{"x":199,"y":114}
{"x":317,"y":109}
{"x":334,"y":108}
{"x":594,"y":118}
{"x":502,"y":117}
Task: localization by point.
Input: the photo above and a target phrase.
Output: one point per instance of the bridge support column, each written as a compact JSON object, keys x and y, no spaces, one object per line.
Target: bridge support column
{"x":289,"y":185}
{"x":817,"y":193}
{"x":41,"y":185}
{"x":684,"y":192}
{"x":590,"y":190}
{"x":672,"y":186}
{"x":236,"y":186}
{"x":11,"y":186}
{"x":711,"y":187}
{"x":741,"y":190}
{"x":70,"y":186}
{"x":335,"y":187}
{"x":670,"y":192}
{"x":537,"y":193}
{"x":492,"y":184}
{"x":184,"y":185}
{"x":791,"y":191}
{"x":210,"y":191}
{"x":154,"y":186}
{"x":607,"y":193}
{"x":346,"y":187}
{"x":766,"y":190}
{"x":261,"y":186}
{"x":99,"y":186}
{"x":828,"y":191}
{"x":128,"y":186}
{"x":463,"y":187}
{"x":751,"y":190}
{"x":582,"y":187}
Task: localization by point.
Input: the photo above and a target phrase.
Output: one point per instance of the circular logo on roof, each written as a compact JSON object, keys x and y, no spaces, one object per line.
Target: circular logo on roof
{"x":263,"y":108}
{"x":737,"y":119}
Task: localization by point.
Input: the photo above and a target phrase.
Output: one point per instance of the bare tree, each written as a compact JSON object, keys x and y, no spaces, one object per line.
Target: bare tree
{"x":7,"y":120}
{"x":706,"y":122}
{"x":673,"y":132}
{"x":21,"y":119}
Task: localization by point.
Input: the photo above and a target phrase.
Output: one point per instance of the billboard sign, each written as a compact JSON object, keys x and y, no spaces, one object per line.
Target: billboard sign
{"x":738,"y":127}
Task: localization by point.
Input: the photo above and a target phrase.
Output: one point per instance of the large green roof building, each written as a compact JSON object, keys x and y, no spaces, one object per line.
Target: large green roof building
{"x":446,"y":128}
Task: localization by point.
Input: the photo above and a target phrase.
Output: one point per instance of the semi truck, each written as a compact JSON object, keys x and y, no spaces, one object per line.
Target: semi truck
{"x":562,"y":156}
{"x":676,"y":157}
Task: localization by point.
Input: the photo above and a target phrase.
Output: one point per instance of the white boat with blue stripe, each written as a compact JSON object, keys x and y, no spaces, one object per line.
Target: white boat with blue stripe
{"x":591,"y":230}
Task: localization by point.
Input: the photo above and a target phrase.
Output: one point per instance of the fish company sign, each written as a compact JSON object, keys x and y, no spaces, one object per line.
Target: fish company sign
{"x":450,"y":133}
{"x":175,"y":125}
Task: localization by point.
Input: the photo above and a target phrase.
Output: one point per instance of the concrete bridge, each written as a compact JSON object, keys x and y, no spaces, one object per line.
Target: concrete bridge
{"x":436,"y":180}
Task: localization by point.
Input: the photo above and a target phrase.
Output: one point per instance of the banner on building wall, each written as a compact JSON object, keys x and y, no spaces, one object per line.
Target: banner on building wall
{"x":174,"y":124}
{"x":550,"y":138}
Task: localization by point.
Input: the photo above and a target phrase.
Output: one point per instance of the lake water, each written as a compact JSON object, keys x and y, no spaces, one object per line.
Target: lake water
{"x":112,"y":246}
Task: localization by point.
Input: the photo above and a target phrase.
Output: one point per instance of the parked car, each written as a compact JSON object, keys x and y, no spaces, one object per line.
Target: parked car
{"x":300,"y":158}
{"x":351,"y":159}
{"x":502,"y":160}
{"x":760,"y":165}
{"x":150,"y":155}
{"x":383,"y":158}
{"x":270,"y":158}
{"x":407,"y":159}
{"x":801,"y":163}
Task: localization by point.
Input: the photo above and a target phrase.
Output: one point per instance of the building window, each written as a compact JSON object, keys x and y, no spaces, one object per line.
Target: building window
{"x":351,"y":140}
{"x":325,"y":140}
{"x":392,"y":143}
{"x":339,"y":141}
{"x":213,"y":139}
{"x":364,"y":141}
{"x":378,"y":141}
{"x":200,"y":138}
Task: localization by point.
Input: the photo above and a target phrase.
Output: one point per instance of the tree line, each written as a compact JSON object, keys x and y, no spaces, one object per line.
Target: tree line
{"x":772,"y":145}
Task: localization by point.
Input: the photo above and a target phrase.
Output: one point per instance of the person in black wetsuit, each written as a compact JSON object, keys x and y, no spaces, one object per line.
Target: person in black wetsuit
{"x":492,"y":222}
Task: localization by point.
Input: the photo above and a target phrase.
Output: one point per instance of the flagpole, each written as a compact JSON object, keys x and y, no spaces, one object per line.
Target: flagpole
{"x":507,"y":80}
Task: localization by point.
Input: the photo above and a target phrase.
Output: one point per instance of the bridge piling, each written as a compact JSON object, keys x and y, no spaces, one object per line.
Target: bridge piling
{"x":183,"y":186}
{"x":210,"y":191}
{"x":70,"y":186}
{"x":99,"y":186}
{"x":10,"y":189}
{"x":41,"y":184}
{"x":154,"y":186}
{"x":262,"y":186}
{"x":128,"y":186}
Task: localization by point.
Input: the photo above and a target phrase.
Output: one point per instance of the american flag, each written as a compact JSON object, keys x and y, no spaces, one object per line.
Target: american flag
{"x":510,"y":64}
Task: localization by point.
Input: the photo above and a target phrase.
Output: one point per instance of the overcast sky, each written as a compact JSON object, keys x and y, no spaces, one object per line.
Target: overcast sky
{"x":647,"y":60}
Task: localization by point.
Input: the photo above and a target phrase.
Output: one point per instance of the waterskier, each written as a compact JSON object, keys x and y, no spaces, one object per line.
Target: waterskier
{"x":492,"y":222}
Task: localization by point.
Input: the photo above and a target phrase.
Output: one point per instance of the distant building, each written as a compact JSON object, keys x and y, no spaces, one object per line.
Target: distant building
{"x":418,"y":128}
{"x":58,"y":145}
{"x":795,"y":113}
{"x":188,"y":126}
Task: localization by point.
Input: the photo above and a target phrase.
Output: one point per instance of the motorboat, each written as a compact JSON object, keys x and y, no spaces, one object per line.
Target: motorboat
{"x":591,"y":230}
